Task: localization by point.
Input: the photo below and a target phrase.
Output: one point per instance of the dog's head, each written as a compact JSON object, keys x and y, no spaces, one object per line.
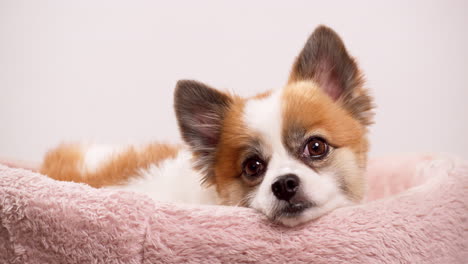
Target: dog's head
{"x":293,"y":153}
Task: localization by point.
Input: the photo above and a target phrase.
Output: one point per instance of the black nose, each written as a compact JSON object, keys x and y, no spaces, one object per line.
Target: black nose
{"x":285,"y":187}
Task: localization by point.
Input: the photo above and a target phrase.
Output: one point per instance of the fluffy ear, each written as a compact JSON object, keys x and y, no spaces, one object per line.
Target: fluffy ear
{"x":325,"y":61}
{"x":200,"y":112}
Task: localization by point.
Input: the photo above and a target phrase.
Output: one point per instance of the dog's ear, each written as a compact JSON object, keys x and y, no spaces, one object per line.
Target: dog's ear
{"x":325,"y":61}
{"x":200,"y":112}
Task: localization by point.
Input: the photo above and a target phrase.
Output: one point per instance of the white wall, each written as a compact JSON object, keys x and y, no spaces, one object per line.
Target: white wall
{"x":105,"y":70}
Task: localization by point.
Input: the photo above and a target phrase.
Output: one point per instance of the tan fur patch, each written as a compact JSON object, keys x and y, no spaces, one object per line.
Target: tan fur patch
{"x":306,"y":104}
{"x":344,"y":163}
{"x":307,"y":107}
{"x":65,"y":163}
{"x":234,"y":140}
{"x":261,"y":95}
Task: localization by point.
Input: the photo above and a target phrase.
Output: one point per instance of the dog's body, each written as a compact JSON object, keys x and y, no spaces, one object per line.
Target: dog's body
{"x":163,"y":172}
{"x":293,"y":153}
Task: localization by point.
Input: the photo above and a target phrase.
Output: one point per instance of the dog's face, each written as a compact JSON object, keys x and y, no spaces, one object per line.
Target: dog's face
{"x":294,"y":153}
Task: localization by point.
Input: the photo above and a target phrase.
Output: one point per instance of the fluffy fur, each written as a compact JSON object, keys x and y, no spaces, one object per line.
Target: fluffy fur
{"x":226,"y":136}
{"x":45,"y":221}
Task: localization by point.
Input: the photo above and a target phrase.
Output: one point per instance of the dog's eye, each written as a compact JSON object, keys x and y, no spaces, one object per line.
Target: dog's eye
{"x":316,"y":148}
{"x":253,"y":167}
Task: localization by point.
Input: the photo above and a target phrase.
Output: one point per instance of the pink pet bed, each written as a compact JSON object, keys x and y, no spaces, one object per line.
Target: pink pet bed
{"x":416,"y":212}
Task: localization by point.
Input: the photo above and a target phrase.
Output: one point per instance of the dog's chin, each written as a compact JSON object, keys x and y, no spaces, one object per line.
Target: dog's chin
{"x":290,"y":215}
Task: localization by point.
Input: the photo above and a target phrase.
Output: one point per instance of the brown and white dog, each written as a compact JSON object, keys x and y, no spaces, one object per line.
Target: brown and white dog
{"x":293,"y":154}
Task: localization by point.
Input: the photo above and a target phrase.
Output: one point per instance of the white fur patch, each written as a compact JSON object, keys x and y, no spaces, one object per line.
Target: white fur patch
{"x":173,"y":180}
{"x":95,"y":156}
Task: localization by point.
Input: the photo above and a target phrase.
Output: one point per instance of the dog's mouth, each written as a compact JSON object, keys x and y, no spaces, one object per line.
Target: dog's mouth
{"x":296,"y":212}
{"x":291,"y":209}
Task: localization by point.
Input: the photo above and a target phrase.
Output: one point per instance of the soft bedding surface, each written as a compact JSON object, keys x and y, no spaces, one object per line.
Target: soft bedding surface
{"x":416,"y":211}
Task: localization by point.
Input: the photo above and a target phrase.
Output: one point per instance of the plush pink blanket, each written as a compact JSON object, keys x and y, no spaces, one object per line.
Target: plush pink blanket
{"x":45,"y":221}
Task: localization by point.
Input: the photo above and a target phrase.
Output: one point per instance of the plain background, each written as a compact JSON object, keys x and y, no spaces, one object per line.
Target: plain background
{"x":104,"y":71}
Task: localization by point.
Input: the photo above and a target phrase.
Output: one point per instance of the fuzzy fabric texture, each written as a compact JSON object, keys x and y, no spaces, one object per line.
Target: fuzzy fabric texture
{"x":416,"y":212}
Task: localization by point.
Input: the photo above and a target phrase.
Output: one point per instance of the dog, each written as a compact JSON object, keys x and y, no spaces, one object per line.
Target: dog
{"x":293,"y":153}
